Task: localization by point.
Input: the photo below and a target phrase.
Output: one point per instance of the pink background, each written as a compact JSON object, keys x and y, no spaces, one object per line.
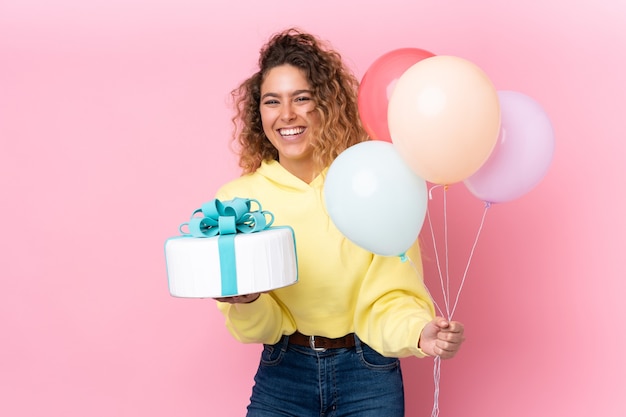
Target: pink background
{"x":114,"y":126}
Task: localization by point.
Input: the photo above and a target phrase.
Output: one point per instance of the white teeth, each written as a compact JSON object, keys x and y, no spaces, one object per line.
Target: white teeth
{"x":291,"y":132}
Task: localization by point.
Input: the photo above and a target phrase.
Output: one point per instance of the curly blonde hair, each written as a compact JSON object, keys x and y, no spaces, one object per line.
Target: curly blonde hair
{"x":334,"y":89}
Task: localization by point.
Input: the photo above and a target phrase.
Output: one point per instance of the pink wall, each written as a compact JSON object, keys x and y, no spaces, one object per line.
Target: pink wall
{"x":114,"y":127}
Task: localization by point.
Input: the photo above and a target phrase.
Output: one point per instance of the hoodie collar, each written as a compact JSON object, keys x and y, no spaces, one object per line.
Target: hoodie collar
{"x":275,"y":172}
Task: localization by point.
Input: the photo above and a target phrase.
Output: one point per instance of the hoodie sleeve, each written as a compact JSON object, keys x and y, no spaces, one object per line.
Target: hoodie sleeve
{"x":394,"y":305}
{"x":264,"y":320}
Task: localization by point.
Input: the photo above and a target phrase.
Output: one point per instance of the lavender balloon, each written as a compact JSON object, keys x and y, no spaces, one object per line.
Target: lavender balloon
{"x":522,"y":155}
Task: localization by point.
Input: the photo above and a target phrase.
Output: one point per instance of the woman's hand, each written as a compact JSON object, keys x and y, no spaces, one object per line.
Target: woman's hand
{"x":442,"y":338}
{"x":239,"y":299}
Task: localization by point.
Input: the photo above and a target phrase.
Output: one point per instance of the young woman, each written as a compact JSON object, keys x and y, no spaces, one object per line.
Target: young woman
{"x":331,"y":341}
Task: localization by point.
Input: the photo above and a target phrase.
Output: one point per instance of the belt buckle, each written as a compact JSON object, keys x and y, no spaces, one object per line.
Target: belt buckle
{"x":312,"y":344}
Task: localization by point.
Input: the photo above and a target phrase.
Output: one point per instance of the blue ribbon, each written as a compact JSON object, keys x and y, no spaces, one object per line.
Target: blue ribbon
{"x":225,"y":219}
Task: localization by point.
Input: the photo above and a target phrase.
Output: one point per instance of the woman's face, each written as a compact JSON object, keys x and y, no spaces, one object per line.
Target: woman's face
{"x":288,"y":117}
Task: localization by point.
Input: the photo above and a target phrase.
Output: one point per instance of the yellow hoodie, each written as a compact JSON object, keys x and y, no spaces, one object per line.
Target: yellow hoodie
{"x":341,"y":287}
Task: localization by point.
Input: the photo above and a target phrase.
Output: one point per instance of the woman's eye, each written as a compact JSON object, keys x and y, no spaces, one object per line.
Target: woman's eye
{"x":303,"y":98}
{"x":270,"y":102}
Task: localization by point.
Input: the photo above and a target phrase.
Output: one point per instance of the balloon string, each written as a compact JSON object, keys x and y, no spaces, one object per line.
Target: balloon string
{"x":445,"y":287}
{"x":445,"y":226}
{"x":437,"y":360}
{"x":436,"y":377}
{"x":445,"y":283}
{"x":432,"y":234}
{"x":482,"y":223}
{"x":437,"y":363}
{"x":430,"y":192}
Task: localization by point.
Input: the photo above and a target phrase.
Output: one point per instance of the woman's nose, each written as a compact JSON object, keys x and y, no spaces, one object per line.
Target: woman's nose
{"x":287,"y":112}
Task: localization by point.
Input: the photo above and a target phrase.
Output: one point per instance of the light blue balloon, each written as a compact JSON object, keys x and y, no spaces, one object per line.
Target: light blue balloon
{"x":375,"y":199}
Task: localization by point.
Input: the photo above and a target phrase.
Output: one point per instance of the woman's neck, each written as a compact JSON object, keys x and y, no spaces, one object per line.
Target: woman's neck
{"x":302,"y":170}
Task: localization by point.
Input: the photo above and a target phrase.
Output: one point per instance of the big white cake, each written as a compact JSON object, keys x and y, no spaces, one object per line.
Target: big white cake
{"x":263,"y":261}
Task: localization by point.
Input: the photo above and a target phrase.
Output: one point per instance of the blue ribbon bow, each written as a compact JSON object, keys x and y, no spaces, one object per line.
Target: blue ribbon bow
{"x":226,"y":219}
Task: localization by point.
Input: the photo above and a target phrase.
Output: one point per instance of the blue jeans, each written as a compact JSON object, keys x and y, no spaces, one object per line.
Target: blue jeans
{"x":297,"y":381}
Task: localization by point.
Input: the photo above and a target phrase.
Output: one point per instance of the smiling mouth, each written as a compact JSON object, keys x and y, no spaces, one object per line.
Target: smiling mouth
{"x":291,"y":132}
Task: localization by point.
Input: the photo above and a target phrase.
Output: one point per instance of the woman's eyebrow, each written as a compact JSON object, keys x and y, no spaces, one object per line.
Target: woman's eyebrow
{"x":293,"y":94}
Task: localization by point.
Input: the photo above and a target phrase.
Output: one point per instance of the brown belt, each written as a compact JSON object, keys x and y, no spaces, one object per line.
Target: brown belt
{"x":320,"y":343}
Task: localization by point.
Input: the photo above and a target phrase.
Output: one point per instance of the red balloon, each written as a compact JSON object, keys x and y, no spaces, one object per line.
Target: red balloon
{"x":377,"y":85}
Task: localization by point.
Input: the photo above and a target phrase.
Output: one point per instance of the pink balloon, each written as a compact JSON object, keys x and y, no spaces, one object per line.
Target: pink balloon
{"x":522,"y":154}
{"x":377,"y":85}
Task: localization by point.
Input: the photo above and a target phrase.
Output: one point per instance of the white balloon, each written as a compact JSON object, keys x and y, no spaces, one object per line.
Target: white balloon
{"x":375,"y":199}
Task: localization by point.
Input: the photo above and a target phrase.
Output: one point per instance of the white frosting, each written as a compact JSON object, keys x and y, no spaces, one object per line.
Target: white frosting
{"x":265,"y":261}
